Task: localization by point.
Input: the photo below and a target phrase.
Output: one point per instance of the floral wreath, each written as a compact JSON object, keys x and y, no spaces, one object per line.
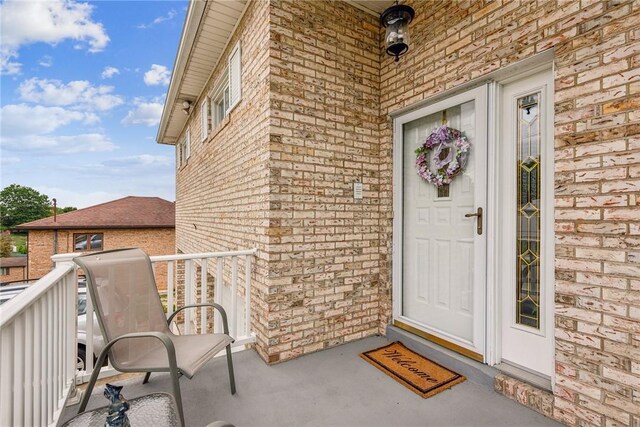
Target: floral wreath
{"x":448,"y":149}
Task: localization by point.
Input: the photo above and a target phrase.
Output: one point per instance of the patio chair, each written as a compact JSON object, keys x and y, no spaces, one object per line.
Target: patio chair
{"x":134,"y":326}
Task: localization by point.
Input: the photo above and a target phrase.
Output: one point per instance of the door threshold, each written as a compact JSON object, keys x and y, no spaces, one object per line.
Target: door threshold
{"x":442,"y":342}
{"x":474,"y":371}
{"x":523,"y":374}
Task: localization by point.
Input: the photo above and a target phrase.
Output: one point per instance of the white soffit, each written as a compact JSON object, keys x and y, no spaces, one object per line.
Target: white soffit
{"x":207,"y":29}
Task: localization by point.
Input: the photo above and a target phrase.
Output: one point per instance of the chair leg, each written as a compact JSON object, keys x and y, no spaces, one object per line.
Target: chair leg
{"x":146,"y":378}
{"x":92,"y":381}
{"x":175,"y":383}
{"x":232,"y":379}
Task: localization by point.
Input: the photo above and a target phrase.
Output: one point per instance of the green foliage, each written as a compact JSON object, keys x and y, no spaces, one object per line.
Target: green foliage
{"x":22,"y":249}
{"x":20,"y":204}
{"x":66,"y":209}
{"x":5,"y":245}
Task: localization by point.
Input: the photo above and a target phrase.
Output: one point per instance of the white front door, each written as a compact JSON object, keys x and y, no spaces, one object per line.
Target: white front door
{"x":440,"y":256}
{"x":525,"y":236}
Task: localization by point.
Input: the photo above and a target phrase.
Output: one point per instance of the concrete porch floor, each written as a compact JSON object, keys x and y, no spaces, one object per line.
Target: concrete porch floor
{"x":334,"y":387}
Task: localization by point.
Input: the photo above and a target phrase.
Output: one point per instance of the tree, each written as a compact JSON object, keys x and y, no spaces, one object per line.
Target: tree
{"x":5,"y":245}
{"x":66,"y":209}
{"x":20,"y":204}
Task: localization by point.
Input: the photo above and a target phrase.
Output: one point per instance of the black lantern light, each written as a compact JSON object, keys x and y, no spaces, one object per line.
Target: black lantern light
{"x":396,"y":22}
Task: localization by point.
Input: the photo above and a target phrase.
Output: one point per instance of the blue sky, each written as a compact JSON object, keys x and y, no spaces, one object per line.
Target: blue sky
{"x":82,"y":88}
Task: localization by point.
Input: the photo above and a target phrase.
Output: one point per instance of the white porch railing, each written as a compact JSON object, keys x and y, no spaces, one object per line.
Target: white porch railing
{"x":38,"y":328}
{"x":38,"y":349}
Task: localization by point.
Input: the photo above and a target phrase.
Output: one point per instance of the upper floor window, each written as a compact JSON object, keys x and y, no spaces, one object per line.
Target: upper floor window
{"x":183,"y":149}
{"x":88,"y":242}
{"x":227,"y":92}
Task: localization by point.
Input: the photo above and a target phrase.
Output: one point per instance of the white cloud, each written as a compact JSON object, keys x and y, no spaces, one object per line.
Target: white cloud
{"x":29,"y":128}
{"x":77,"y":93}
{"x":157,"y":75}
{"x":67,"y":197}
{"x":27,"y":22}
{"x":61,"y":144}
{"x":9,"y":160}
{"x":109,"y":72}
{"x":22,"y":119}
{"x":144,"y":113}
{"x":139,"y":161}
{"x":46,"y":61}
{"x":160,"y":19}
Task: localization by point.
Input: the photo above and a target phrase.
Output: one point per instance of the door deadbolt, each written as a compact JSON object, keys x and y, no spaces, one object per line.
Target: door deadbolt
{"x":478,"y":214}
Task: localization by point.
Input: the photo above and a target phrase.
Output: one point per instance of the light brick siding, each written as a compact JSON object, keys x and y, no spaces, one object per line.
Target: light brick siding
{"x":597,"y":173}
{"x":314,"y":118}
{"x":154,"y":241}
{"x":14,"y":274}
{"x":325,"y":246}
{"x":222,"y":191}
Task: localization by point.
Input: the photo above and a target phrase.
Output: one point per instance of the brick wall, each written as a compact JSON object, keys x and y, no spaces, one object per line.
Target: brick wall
{"x":154,"y":241}
{"x":597,"y":173}
{"x":324,"y":245}
{"x":222,"y":191}
{"x":317,"y":93}
{"x":14,"y":274}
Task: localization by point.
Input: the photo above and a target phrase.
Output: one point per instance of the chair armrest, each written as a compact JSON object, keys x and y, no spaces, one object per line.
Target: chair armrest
{"x":223,"y":313}
{"x":164,"y":338}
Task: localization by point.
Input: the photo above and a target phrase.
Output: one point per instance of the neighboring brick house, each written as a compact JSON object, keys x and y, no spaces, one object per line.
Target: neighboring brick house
{"x":141,"y":222}
{"x":13,"y":269}
{"x":292,"y":103}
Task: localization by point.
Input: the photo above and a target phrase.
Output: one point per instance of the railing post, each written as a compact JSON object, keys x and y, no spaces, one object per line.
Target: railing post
{"x":234,"y":297}
{"x":247,"y":294}
{"x":203,"y":295}
{"x":218,"y":294}
{"x":170,"y":288}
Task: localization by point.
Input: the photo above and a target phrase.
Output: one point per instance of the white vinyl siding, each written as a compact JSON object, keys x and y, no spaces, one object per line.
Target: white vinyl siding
{"x":204,"y":119}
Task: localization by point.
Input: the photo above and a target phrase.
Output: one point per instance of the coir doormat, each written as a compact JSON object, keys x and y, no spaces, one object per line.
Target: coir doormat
{"x":414,"y":371}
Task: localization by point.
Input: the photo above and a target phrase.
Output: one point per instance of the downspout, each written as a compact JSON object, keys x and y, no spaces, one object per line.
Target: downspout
{"x":28,"y":277}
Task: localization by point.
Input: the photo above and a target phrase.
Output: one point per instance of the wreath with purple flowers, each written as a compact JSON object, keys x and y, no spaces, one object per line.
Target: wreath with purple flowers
{"x":442,"y":155}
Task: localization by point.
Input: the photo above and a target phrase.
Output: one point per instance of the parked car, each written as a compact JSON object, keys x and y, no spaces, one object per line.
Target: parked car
{"x":95,"y":243}
{"x":9,"y":291}
{"x":98,"y":340}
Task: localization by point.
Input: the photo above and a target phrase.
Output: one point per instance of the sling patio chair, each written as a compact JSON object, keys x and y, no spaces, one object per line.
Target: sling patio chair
{"x":133,"y":323}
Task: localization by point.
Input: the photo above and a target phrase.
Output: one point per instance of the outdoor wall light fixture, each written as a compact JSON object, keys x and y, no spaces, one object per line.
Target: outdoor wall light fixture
{"x":186,"y":107}
{"x":395,"y":20}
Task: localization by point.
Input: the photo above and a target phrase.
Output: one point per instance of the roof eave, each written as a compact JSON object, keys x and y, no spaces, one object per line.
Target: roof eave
{"x":192,"y":22}
{"x":89,"y":227}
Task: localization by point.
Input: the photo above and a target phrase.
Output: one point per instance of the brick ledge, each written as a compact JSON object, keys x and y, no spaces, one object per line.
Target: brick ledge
{"x":525,"y":394}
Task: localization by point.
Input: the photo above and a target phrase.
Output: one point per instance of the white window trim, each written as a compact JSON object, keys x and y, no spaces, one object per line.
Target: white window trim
{"x":217,"y":94}
{"x":187,"y":142}
{"x":229,"y":82}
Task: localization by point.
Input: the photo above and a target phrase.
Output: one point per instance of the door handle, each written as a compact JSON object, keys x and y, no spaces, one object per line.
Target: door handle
{"x":479,"y":223}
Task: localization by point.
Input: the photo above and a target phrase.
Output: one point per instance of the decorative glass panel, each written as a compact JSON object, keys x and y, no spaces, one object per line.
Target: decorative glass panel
{"x":528,"y":205}
{"x":443,"y":191}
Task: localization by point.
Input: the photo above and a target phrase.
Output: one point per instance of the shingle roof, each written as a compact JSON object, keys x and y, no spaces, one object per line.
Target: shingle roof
{"x":128,"y":212}
{"x":13,"y":261}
